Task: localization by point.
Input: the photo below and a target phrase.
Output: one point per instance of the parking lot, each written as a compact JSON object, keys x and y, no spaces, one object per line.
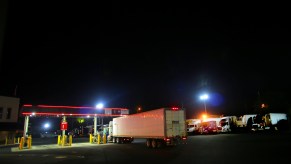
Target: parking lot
{"x":223,"y":148}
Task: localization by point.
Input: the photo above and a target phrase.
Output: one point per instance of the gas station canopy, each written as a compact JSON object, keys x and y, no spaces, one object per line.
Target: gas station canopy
{"x":78,"y":111}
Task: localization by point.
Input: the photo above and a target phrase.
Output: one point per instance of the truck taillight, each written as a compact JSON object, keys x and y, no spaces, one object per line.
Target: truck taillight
{"x":167,"y":139}
{"x":175,"y":108}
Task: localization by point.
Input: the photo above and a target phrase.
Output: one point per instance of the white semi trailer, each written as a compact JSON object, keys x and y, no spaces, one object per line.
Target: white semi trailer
{"x":243,"y":120}
{"x":164,"y":126}
{"x":272,"y":120}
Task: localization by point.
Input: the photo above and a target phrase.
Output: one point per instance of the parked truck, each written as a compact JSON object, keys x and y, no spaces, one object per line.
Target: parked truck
{"x":193,"y":125}
{"x":276,"y":121}
{"x":208,"y":127}
{"x":164,"y":126}
{"x":214,"y":119}
{"x":228,"y":124}
{"x":242,"y":121}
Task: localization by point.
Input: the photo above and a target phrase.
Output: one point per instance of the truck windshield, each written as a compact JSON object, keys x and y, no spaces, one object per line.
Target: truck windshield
{"x":223,"y":122}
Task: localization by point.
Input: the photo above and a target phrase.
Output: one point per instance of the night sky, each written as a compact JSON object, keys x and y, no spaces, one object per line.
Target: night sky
{"x":162,"y":55}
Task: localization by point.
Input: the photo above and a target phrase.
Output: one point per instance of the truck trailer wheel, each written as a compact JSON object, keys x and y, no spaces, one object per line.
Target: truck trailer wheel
{"x":154,"y":143}
{"x":148,"y":143}
{"x":118,"y":140}
{"x":114,"y":140}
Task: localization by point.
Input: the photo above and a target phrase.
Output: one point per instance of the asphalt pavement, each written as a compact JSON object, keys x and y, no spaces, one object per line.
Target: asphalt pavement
{"x":267,"y":148}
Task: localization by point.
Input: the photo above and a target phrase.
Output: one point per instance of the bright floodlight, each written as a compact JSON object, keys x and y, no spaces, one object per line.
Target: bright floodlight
{"x":46,"y":125}
{"x":204,"y":97}
{"x":204,"y":116}
{"x":99,"y":106}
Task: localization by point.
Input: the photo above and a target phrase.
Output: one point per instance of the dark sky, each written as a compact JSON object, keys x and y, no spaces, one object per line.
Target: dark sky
{"x":153,"y":56}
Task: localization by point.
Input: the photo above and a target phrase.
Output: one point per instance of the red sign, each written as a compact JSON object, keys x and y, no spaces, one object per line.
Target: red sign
{"x":64,"y":125}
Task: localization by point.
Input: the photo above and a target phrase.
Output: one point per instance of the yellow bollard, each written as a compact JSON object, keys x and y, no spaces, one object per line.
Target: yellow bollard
{"x":90,"y":138}
{"x":98,"y":139}
{"x":104,"y":139}
{"x":70,"y":140}
{"x":21,"y":144}
{"x":28,"y":142}
{"x":59,"y":139}
{"x":63,"y":140}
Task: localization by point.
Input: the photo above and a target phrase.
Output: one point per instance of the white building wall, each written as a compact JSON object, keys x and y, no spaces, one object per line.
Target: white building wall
{"x":9,"y":107}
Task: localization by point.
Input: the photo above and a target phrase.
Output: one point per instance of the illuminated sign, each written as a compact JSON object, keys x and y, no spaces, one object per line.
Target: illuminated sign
{"x":64,"y":125}
{"x":49,"y":110}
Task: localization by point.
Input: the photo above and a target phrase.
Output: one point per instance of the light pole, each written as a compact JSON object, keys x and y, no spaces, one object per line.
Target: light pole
{"x":99,"y":107}
{"x":204,"y":97}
